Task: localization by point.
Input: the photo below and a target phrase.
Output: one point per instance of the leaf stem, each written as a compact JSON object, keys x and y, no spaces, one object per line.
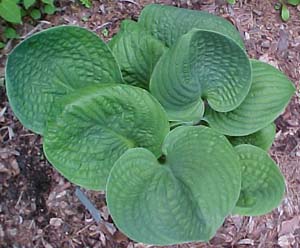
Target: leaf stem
{"x":88,"y":205}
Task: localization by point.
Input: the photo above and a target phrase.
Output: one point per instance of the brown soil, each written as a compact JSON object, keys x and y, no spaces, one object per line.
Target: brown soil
{"x":38,"y":207}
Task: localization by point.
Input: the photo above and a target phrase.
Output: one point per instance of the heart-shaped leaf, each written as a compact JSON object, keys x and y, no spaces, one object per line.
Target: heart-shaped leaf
{"x":270,"y":93}
{"x":184,"y":199}
{"x":97,"y":125}
{"x":262,"y":138}
{"x":51,"y":64}
{"x":137,"y":52}
{"x":169,"y":23}
{"x":205,"y":65}
{"x":10,"y":11}
{"x":262,"y":182}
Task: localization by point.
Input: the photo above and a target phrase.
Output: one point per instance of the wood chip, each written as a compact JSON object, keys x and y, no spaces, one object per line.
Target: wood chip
{"x":286,"y":241}
{"x":246,"y":242}
{"x":56,"y":222}
{"x":289,"y":226}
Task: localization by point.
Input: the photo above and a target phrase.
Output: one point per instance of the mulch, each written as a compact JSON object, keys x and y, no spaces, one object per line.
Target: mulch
{"x":38,"y":207}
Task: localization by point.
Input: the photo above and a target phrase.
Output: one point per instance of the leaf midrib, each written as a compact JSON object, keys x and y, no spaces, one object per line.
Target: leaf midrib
{"x":130,"y":143}
{"x":185,"y":187}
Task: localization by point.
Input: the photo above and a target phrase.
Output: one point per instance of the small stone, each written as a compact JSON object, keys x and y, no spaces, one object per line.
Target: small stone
{"x":266,"y":44}
{"x":56,"y":222}
{"x":12,"y":232}
{"x":247,"y":36}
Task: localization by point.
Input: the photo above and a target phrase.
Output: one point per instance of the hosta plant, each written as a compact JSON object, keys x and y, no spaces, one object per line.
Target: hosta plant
{"x":171,"y":118}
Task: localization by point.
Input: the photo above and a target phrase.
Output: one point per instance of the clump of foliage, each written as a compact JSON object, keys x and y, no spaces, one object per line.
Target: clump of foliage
{"x":106,"y":111}
{"x":12,"y":11}
{"x":285,"y":13}
{"x":86,"y":3}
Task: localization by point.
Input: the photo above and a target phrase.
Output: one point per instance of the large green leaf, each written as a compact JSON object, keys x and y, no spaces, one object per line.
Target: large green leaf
{"x":137,"y":52}
{"x":262,"y":182}
{"x":202,"y":64}
{"x":293,"y":2}
{"x":10,"y":11}
{"x":270,"y":93}
{"x":262,"y":138}
{"x":98,"y":124}
{"x":186,"y":198}
{"x":51,"y":64}
{"x":168,"y":23}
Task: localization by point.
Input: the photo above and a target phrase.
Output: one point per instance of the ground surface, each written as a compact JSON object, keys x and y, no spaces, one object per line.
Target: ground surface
{"x":38,"y":207}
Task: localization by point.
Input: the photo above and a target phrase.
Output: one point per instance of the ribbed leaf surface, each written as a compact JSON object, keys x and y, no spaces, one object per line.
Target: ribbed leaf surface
{"x":262,"y":182}
{"x":263,"y":138}
{"x":97,"y":125}
{"x":184,"y":199}
{"x":137,"y":52}
{"x":270,"y":93}
{"x":168,"y":23}
{"x":51,"y":64}
{"x":204,"y":65}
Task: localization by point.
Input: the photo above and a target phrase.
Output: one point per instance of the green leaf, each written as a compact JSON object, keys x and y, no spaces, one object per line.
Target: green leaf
{"x":201,"y":65}
{"x":49,"y":9}
{"x":285,"y":14}
{"x":51,"y":64}
{"x":137,"y":52}
{"x":49,"y":2}
{"x":169,"y":23}
{"x":184,"y":199}
{"x":262,"y":138}
{"x":10,"y":11}
{"x":293,"y":2}
{"x":277,"y":6}
{"x":97,"y":125}
{"x":105,"y":32}
{"x":10,"y":33}
{"x":86,"y":3}
{"x":270,"y":93}
{"x":23,"y":12}
{"x":262,"y":182}
{"x":2,"y":45}
{"x":28,"y":3}
{"x":231,"y":1}
{"x":35,"y":14}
